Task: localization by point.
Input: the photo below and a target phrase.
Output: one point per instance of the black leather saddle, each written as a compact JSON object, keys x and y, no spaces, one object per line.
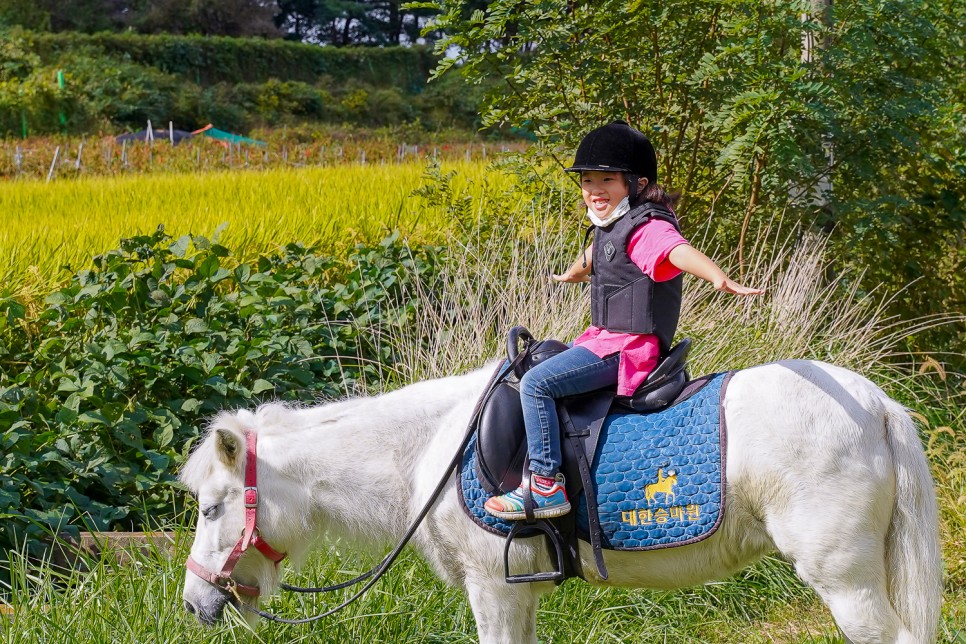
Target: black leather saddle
{"x":501,"y":441}
{"x":501,"y":444}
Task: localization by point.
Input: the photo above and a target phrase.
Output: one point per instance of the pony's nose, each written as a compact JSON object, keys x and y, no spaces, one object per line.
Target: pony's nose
{"x":188,"y":606}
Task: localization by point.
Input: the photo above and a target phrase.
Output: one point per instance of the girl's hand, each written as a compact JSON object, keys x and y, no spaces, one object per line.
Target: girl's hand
{"x":570,"y":277}
{"x":728,"y":285}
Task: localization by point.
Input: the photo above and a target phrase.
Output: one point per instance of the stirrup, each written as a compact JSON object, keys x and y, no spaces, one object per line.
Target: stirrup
{"x":553,"y":535}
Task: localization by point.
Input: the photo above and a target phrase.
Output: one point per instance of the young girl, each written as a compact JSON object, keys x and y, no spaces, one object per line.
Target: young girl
{"x":634,"y":266}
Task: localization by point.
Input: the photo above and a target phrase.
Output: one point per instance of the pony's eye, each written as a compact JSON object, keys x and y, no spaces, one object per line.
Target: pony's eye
{"x":211,"y":511}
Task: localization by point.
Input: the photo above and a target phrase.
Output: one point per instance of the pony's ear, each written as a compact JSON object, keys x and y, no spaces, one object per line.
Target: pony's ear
{"x":228,"y":446}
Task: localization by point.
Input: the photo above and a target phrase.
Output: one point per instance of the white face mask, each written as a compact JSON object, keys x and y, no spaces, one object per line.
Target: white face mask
{"x":619,"y":211}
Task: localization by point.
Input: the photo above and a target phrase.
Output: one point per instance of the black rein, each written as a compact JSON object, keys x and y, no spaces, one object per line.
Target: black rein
{"x":383,"y":566}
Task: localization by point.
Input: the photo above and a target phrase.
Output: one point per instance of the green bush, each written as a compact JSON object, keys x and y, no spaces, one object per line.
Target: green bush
{"x":207,"y":60}
{"x":102,"y":394}
{"x":124,"y":80}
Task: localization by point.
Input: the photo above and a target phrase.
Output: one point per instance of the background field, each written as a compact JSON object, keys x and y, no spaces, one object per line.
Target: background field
{"x":820,"y":154}
{"x":53,"y":230}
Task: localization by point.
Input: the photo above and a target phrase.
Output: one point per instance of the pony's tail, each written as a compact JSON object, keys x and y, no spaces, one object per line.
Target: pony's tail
{"x":913,"y":556}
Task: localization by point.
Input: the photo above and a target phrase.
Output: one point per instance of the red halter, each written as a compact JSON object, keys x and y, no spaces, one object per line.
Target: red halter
{"x":249,"y":537}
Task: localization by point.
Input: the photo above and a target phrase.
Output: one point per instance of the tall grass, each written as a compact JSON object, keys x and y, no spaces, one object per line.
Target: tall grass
{"x":139,"y":601}
{"x":498,"y":281}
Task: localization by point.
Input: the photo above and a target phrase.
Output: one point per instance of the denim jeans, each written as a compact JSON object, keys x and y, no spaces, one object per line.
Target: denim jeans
{"x":574,"y":371}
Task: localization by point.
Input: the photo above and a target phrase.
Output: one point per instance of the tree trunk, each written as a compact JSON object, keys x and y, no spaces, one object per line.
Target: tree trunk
{"x":822,"y":11}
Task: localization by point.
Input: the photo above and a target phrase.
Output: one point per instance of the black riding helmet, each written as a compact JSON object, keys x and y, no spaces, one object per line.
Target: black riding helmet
{"x":617,"y":147}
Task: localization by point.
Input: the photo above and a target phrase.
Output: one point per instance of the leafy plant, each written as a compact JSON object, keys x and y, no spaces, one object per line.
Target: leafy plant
{"x":102,"y":395}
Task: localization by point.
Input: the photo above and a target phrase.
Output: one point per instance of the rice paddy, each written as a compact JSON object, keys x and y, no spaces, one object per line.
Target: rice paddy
{"x":50,"y":230}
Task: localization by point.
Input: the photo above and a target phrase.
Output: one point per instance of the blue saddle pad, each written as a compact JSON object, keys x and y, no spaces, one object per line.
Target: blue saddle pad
{"x":660,"y":477}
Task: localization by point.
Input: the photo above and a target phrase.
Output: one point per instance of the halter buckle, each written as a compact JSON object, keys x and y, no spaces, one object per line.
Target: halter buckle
{"x":251,"y":497}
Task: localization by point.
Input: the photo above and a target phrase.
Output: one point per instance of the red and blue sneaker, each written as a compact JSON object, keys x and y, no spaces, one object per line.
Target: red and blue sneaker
{"x":549,"y":500}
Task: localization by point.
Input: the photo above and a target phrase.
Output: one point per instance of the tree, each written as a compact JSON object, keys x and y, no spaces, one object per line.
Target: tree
{"x":743,"y":123}
{"x":351,"y":22}
{"x":207,"y":17}
{"x":63,"y":15}
{"x":24,"y":13}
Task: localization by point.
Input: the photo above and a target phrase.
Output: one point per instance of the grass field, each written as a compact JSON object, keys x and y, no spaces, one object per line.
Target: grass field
{"x":48,"y":226}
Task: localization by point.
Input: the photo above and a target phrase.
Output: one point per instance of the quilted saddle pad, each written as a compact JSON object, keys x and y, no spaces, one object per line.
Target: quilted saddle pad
{"x":660,"y":476}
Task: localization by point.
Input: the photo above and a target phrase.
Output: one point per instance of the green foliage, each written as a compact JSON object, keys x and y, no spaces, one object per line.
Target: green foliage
{"x":126,"y":79}
{"x":863,"y":138}
{"x":101,"y":396}
{"x":210,"y":60}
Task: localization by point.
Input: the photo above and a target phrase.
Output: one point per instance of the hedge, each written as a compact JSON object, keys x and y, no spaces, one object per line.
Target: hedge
{"x":102,"y":393}
{"x":207,"y":60}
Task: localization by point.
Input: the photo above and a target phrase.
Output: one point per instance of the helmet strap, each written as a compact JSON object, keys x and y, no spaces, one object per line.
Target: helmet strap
{"x":632,"y":181}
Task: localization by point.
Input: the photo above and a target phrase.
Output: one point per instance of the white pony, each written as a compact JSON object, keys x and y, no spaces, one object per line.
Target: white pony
{"x":822,"y":466}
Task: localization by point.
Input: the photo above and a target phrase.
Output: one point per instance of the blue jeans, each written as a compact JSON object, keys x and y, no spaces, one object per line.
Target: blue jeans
{"x":574,"y":371}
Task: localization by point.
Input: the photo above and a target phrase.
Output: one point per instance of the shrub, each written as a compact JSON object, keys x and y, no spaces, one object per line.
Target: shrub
{"x":101,"y":396}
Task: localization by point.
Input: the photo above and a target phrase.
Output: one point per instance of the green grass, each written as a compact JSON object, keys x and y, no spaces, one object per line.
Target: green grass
{"x":140,"y":601}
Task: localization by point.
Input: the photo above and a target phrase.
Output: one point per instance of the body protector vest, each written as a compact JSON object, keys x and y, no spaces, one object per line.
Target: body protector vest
{"x":623,"y":298}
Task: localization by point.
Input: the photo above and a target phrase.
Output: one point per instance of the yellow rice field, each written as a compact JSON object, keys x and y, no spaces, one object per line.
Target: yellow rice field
{"x":47,"y":227}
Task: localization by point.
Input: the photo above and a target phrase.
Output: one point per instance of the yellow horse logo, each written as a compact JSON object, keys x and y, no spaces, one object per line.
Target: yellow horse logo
{"x":665,"y":485}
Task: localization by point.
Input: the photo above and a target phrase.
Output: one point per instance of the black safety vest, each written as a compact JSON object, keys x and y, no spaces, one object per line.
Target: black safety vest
{"x":623,"y":299}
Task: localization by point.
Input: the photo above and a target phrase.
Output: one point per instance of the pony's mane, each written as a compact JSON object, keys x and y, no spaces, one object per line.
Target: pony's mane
{"x":280,"y":418}
{"x":269,"y":418}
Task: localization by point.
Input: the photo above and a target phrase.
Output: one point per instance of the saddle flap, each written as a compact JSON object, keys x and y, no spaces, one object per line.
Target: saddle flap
{"x":501,"y":441}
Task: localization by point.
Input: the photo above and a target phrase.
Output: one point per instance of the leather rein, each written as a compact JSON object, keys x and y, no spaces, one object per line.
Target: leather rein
{"x":250,"y":536}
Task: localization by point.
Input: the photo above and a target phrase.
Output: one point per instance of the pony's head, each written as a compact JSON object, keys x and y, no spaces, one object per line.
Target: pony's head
{"x":228,"y":563}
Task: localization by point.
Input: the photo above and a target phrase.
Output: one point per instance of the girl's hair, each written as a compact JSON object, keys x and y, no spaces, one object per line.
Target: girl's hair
{"x":655,"y":193}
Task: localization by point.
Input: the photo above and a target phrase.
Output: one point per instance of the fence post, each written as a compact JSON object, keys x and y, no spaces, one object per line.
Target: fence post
{"x":18,"y":161}
{"x":80,"y":150}
{"x":53,"y":164}
{"x":60,"y":84}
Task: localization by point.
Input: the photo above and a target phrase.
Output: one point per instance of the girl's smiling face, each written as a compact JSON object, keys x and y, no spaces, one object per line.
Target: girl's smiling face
{"x":602,"y":191}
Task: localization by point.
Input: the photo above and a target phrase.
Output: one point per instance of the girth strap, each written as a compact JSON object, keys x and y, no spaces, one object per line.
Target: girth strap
{"x":581,"y":420}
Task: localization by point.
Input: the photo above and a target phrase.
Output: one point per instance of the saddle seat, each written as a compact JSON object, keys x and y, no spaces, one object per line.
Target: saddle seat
{"x":661,"y":385}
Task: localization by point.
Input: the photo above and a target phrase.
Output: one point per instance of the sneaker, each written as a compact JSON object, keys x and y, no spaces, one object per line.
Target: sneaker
{"x":548,"y":501}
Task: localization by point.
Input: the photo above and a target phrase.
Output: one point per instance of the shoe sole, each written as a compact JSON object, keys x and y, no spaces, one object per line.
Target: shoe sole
{"x":538,"y":513}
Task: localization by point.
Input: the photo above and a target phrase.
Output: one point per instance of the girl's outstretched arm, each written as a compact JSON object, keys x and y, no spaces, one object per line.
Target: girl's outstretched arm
{"x":691,"y":260}
{"x":577,"y":271}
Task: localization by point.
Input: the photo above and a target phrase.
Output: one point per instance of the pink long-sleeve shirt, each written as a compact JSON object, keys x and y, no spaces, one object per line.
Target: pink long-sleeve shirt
{"x":648,"y":247}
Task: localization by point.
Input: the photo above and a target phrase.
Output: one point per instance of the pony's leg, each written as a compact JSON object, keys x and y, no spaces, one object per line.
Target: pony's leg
{"x":840,"y":552}
{"x":859,"y":600}
{"x":505,"y":613}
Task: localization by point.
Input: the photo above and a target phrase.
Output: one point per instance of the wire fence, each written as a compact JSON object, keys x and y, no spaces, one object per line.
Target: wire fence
{"x":53,"y":159}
